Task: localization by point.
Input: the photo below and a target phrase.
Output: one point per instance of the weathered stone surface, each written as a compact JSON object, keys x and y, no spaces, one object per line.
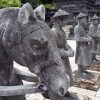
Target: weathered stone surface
{"x":94,"y":67}
{"x":91,"y":84}
{"x":82,"y":57}
{"x":20,"y":90}
{"x":98,"y":94}
{"x":30,"y":42}
{"x":97,"y":98}
{"x":83,"y":94}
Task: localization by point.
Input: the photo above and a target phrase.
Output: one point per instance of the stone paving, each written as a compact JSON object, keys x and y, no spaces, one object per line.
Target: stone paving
{"x":82,"y":93}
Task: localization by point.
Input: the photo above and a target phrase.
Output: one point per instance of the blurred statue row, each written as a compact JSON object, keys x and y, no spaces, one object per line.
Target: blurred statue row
{"x":87,"y":43}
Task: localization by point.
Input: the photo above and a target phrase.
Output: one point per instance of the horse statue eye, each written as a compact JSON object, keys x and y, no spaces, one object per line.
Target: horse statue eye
{"x":35,"y":46}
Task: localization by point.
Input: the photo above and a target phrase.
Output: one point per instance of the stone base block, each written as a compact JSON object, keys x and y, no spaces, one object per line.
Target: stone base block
{"x":94,"y":67}
{"x":91,"y":84}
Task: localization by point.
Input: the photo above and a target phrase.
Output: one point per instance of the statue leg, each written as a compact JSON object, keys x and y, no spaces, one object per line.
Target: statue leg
{"x":15,"y":80}
{"x":69,"y":72}
{"x":6,"y":69}
{"x":13,"y":98}
{"x":93,"y":57}
{"x":83,"y":73}
{"x":68,"y":69}
{"x":80,"y":69}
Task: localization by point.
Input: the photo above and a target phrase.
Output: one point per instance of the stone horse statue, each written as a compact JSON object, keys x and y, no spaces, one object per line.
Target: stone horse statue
{"x":30,"y":42}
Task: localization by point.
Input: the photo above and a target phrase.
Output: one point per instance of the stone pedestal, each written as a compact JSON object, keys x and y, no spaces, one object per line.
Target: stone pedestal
{"x":91,"y":84}
{"x":94,"y":68}
{"x":95,"y":65}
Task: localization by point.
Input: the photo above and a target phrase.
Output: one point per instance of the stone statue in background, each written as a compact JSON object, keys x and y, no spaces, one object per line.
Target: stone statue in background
{"x":82,"y":46}
{"x":93,"y":28}
{"x":29,"y":41}
{"x":98,"y":44}
{"x":60,"y":20}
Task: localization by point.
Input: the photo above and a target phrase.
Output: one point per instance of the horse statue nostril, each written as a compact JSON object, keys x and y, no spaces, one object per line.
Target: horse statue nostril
{"x":61,"y":91}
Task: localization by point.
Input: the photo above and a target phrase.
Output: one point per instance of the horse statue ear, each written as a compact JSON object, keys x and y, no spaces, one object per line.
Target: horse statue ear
{"x":25,"y":14}
{"x":40,"y":12}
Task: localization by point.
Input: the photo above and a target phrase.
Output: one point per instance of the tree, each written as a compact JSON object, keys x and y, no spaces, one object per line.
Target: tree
{"x":10,"y":3}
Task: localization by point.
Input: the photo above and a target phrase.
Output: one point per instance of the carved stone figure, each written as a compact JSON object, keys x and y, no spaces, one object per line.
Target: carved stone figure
{"x":93,"y":33}
{"x":29,"y":41}
{"x":98,"y":44}
{"x":60,"y":20}
{"x":82,"y":46}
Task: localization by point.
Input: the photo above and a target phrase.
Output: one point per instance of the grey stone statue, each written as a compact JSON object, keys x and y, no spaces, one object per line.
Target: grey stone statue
{"x":93,"y":32}
{"x":98,"y":44}
{"x":82,"y":47}
{"x":60,"y":20}
{"x":31,"y":43}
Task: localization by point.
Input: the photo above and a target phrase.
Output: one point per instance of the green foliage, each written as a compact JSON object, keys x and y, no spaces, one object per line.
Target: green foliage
{"x":49,"y":6}
{"x":9,"y":3}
